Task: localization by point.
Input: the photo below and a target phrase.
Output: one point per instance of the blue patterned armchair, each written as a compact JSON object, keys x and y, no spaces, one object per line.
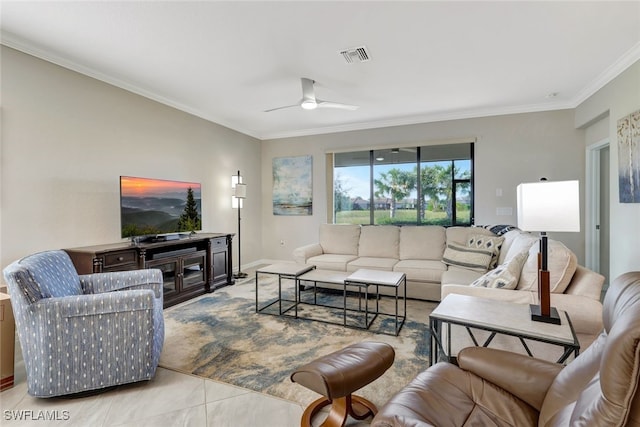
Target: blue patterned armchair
{"x":87,"y":332}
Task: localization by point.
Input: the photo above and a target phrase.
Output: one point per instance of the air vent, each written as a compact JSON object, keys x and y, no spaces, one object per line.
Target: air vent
{"x":356,"y":54}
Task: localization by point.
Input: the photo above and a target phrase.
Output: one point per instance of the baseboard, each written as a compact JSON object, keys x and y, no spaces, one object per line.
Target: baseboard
{"x":260,"y":262}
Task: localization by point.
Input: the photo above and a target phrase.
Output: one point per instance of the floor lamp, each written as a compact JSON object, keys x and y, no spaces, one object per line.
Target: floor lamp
{"x":239,"y":194}
{"x":547,"y":206}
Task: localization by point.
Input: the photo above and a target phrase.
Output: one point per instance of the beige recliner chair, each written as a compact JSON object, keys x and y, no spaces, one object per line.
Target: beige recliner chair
{"x":498,"y":388}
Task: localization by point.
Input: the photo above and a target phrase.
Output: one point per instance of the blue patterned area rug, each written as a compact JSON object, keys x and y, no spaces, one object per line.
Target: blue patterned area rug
{"x":219,"y":336}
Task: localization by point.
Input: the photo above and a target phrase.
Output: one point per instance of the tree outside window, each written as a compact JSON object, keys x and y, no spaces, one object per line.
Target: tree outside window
{"x":442,"y":195}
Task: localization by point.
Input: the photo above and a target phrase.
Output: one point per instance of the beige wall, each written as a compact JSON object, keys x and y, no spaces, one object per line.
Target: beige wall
{"x":66,"y":139}
{"x":614,"y":101}
{"x":509,"y":150}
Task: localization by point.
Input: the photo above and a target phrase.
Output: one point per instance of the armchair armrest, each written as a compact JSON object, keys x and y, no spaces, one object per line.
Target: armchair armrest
{"x":97,"y":304}
{"x":528,"y":379}
{"x":303,"y":253}
{"x":98,"y":283}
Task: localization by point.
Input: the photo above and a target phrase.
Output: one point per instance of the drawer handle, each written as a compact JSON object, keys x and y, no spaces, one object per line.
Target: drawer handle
{"x":120,"y":258}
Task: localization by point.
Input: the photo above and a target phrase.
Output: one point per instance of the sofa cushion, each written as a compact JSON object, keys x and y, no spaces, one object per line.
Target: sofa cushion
{"x":331,"y":261}
{"x":516,"y":242}
{"x":504,"y":276}
{"x":562,"y":264}
{"x":459,"y":276}
{"x":491,"y":243}
{"x":339,"y":238}
{"x":422,"y":242}
{"x":421,"y":270}
{"x":373,"y":263}
{"x":466,"y":257}
{"x":379,"y":241}
{"x":509,"y":237}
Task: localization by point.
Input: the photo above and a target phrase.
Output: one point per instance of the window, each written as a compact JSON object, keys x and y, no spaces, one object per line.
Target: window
{"x":382,"y":186}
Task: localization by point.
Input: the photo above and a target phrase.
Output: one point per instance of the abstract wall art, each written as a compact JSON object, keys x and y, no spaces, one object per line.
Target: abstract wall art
{"x":293,"y":185}
{"x":629,"y":158}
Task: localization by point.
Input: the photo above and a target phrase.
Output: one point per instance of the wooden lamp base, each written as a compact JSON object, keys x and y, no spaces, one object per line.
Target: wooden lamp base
{"x":543,"y":312}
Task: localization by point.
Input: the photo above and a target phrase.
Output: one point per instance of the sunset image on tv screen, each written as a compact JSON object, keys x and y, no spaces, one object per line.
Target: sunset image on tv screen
{"x":156,"y":206}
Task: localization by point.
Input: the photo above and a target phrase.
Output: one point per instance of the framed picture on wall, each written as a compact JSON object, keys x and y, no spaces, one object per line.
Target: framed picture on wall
{"x":293,"y":185}
{"x":629,"y":158}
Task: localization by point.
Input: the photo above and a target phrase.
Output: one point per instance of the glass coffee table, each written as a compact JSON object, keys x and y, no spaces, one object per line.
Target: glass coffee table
{"x":497,"y":317}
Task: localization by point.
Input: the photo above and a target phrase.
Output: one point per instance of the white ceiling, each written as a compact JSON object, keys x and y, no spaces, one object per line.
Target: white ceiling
{"x":229,"y":61}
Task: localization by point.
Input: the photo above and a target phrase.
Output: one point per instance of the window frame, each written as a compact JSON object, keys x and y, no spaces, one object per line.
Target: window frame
{"x":332,"y":214}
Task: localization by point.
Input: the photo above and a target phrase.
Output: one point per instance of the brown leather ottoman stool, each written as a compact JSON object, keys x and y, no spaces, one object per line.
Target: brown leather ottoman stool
{"x":337,"y":375}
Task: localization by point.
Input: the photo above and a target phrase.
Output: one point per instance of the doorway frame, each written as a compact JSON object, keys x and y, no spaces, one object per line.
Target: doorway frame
{"x":592,"y":206}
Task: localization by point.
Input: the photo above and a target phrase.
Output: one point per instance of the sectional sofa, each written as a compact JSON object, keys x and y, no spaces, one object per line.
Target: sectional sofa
{"x":474,"y":261}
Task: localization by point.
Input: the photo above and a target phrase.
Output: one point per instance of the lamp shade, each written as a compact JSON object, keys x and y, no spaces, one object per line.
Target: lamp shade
{"x":549,"y":206}
{"x":240,"y":191}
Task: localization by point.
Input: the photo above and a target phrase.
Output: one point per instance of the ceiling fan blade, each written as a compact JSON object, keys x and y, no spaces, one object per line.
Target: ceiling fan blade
{"x":281,"y":108}
{"x":310,"y":102}
{"x":329,"y":104}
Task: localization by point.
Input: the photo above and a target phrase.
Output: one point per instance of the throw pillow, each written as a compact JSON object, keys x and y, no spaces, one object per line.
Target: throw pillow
{"x":504,"y":276}
{"x":562,"y":264}
{"x":490,"y":243}
{"x":465,"y":257}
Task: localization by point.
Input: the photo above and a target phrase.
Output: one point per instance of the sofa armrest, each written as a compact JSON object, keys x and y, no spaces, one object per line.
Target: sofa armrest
{"x":584,"y":312}
{"x":303,"y":253}
{"x":529,"y":378}
{"x":586,"y":283}
{"x":98,"y":283}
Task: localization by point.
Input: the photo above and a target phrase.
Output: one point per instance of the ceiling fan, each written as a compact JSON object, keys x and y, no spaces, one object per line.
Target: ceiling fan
{"x":310,"y":102}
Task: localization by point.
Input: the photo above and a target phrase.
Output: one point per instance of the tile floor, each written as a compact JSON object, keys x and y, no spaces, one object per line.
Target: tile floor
{"x":170,"y":399}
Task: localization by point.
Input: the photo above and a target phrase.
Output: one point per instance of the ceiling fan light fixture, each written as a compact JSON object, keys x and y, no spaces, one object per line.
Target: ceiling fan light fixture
{"x":309,"y":104}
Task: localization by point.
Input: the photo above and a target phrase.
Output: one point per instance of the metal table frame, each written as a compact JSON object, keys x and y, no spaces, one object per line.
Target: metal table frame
{"x":273,"y":269}
{"x":366,"y":324}
{"x":437,"y":344}
{"x":399,"y":320}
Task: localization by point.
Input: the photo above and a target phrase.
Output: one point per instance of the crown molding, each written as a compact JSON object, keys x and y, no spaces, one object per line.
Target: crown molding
{"x":613,"y":71}
{"x":7,"y":39}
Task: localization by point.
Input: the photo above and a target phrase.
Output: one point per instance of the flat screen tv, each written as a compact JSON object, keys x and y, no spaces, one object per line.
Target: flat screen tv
{"x":152,"y":207}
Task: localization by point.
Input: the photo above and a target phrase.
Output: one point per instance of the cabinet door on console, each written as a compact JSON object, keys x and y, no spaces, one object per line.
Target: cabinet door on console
{"x":193,"y":270}
{"x":220,"y":260}
{"x":170,"y":268}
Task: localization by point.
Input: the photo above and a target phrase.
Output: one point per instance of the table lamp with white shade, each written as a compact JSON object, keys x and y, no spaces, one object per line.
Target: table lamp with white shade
{"x":547,"y":206}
